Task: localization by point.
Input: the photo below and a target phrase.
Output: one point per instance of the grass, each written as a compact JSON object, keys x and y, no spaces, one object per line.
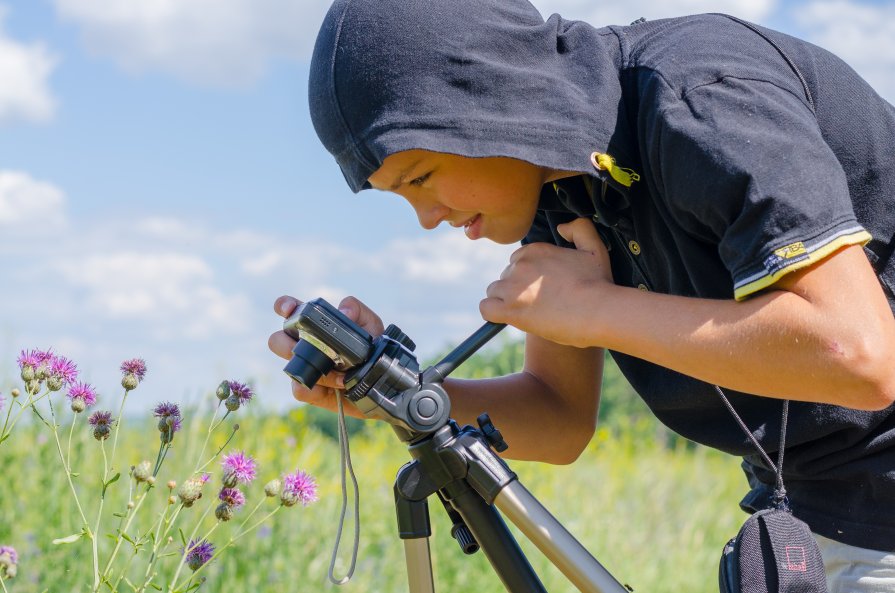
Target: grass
{"x":655,"y":515}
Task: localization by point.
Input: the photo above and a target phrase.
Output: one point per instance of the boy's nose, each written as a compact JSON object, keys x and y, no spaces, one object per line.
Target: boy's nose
{"x":431,"y":215}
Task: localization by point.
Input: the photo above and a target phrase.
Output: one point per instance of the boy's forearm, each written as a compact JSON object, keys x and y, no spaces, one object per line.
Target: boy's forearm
{"x":536,"y":423}
{"x":776,"y":344}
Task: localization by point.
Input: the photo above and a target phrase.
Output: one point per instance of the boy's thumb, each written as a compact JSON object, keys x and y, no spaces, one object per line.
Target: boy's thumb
{"x":582,"y":233}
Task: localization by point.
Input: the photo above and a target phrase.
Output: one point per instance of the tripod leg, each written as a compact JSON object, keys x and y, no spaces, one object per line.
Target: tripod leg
{"x":495,"y":539}
{"x":414,"y":529}
{"x":419,"y":565}
{"x":557,"y":544}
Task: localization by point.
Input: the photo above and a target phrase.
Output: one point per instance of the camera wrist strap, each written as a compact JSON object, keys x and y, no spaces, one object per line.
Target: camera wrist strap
{"x":779,"y":498}
{"x":345,"y":468}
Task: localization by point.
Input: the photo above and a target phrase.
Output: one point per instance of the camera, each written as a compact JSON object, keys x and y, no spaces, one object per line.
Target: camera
{"x":327,"y":340}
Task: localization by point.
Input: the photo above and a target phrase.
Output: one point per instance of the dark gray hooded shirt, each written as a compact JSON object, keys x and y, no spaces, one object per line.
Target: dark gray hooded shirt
{"x":752,"y":153}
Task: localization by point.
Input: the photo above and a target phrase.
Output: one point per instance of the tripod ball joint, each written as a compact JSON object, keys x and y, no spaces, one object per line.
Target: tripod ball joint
{"x":430,"y":406}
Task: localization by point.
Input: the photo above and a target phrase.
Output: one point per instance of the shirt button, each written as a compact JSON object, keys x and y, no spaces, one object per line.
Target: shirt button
{"x":643,"y":287}
{"x":634,"y":246}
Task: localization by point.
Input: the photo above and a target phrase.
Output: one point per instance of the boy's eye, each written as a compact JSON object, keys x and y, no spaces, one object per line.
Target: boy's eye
{"x":420,"y":180}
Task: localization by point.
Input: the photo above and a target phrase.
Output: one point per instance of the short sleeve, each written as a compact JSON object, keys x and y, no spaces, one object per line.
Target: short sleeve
{"x":743,"y":163}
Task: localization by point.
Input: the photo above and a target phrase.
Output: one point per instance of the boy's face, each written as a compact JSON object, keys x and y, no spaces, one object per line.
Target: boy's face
{"x":494,"y":197}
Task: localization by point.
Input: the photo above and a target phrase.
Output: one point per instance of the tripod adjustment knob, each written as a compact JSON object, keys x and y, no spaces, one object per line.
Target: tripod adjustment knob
{"x":495,"y":439}
{"x":395,"y":333}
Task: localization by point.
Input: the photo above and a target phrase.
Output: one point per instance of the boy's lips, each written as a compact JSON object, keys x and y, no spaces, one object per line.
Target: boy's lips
{"x":473,"y":227}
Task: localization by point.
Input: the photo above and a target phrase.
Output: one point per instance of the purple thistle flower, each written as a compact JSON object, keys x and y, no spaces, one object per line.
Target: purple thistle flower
{"x":233,"y":497}
{"x":205,"y":477}
{"x":242,"y":392}
{"x":11,"y":552}
{"x":239,"y":467}
{"x":165,"y":409}
{"x":63,"y":369}
{"x":33,"y":358}
{"x":83,"y":392}
{"x":198,"y":553}
{"x":135,"y":367}
{"x":299,"y":487}
{"x":100,"y":418}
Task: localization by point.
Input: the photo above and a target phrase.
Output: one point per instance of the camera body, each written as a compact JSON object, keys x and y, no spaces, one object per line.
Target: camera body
{"x":327,"y":340}
{"x":382,"y":375}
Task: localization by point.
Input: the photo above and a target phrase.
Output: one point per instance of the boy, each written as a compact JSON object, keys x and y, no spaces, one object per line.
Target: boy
{"x":730,"y":197}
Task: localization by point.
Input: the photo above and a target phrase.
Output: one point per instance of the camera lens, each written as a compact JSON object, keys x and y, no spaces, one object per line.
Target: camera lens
{"x":308,"y":364}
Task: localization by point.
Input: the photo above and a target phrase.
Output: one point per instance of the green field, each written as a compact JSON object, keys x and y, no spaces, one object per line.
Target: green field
{"x":654,"y":510}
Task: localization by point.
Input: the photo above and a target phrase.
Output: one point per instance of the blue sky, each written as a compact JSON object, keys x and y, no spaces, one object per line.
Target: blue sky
{"x":161,"y":185}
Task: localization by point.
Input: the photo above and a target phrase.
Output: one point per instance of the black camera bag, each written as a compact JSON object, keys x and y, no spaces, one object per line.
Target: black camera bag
{"x":774,"y":552}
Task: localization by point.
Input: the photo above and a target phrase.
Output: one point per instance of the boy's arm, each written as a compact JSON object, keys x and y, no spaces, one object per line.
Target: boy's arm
{"x":547,"y":412}
{"x":824,"y":333}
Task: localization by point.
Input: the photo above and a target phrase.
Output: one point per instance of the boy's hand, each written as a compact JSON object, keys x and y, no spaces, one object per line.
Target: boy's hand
{"x":553,"y":292}
{"x":323,"y":395}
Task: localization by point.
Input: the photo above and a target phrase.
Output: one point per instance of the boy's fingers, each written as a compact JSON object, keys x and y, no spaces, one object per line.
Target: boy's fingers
{"x":361,"y":314}
{"x":281,"y":344}
{"x":582,"y":233}
{"x":285,"y":305}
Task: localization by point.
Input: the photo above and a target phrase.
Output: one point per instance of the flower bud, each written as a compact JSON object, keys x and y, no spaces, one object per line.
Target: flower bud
{"x":9,"y":570}
{"x":15,"y":392}
{"x":78,"y":405}
{"x":54,"y":383}
{"x":172,"y":499}
{"x":150,"y":480}
{"x":190,"y":491}
{"x":28,"y":373}
{"x":172,"y":484}
{"x":224,"y":512}
{"x":273,"y":488}
{"x":166,"y":437}
{"x":163,"y":424}
{"x":143,"y":471}
{"x":130,"y":505}
{"x":33,"y":385}
{"x":42,"y":372}
{"x":223,"y":390}
{"x":232,"y":403}
{"x":129,"y":381}
{"x":101,"y":432}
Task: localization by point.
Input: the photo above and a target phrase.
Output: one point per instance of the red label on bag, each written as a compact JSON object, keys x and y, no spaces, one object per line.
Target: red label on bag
{"x":795,"y":559}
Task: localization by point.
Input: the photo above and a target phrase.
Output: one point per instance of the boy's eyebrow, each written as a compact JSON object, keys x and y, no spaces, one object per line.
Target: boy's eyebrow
{"x":400,"y":180}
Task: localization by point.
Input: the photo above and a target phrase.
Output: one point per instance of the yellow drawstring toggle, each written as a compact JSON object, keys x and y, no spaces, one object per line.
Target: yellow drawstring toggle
{"x":604,"y":162}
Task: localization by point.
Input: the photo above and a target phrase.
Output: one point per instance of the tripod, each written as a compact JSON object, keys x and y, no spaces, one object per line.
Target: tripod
{"x":458,"y":464}
{"x":461,"y":467}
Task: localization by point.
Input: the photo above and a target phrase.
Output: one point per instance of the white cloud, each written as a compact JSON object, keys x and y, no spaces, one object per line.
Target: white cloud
{"x":446,"y":259}
{"x":173,"y":292}
{"x":603,"y":13}
{"x":25,"y":71}
{"x":27,"y":202}
{"x":204,"y":41}
{"x":861,"y":34}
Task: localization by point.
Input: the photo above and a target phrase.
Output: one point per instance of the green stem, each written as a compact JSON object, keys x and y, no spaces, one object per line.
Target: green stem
{"x":22,"y":407}
{"x":148,"y":576}
{"x":97,"y":581}
{"x":208,"y":432}
{"x":119,"y":539}
{"x":215,"y":456}
{"x":66,"y":467}
{"x":2,"y":584}
{"x":71,"y":431}
{"x":118,"y":422}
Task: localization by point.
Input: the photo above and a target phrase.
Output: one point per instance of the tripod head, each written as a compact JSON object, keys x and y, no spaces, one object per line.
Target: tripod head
{"x":382,"y":374}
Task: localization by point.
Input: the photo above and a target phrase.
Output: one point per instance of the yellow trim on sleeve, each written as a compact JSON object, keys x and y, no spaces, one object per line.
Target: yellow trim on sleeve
{"x":858,"y":238}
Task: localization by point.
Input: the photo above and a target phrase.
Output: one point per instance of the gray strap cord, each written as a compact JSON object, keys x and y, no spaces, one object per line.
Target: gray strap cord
{"x":345,"y":467}
{"x":780,"y":501}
